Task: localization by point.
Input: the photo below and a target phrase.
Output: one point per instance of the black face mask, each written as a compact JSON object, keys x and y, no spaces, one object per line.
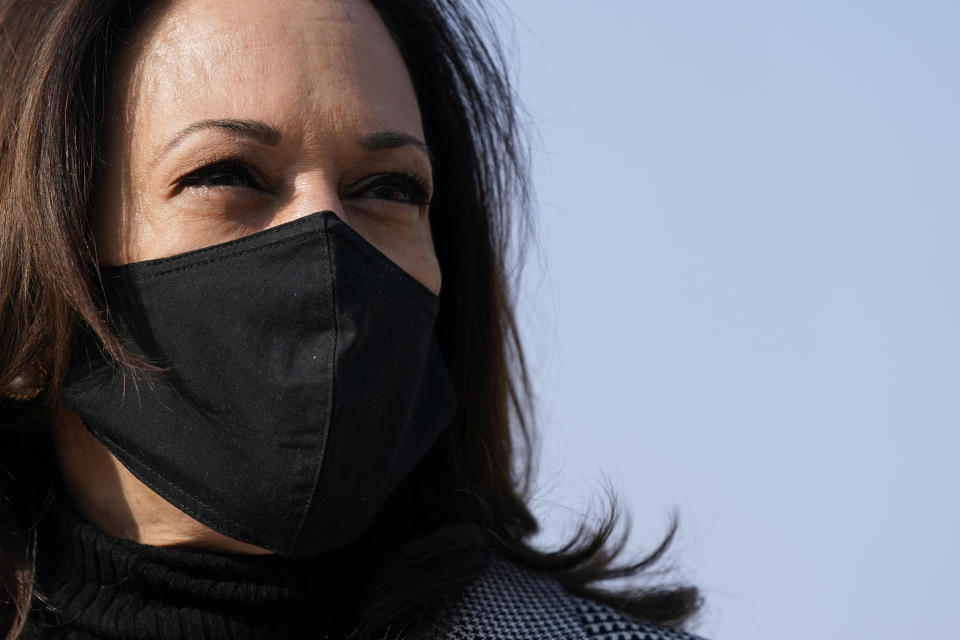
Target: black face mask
{"x":301,"y":382}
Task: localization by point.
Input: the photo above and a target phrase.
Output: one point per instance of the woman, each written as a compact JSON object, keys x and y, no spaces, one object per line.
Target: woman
{"x":256,"y":348}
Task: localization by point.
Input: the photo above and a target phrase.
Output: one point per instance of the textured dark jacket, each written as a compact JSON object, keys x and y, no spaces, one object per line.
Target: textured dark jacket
{"x":511,"y":603}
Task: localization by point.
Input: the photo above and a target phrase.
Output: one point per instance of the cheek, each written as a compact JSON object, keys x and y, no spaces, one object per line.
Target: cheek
{"x":116,"y":220}
{"x":424,"y":265}
{"x":409,"y":246}
{"x":426,"y":269}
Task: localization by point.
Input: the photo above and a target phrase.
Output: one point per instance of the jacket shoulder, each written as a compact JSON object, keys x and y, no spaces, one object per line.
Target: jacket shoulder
{"x":509,"y":602}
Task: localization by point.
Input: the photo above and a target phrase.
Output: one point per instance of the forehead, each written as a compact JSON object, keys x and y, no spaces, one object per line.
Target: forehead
{"x":310,"y":64}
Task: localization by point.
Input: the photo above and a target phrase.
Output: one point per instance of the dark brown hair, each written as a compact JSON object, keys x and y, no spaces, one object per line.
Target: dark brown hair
{"x":54,"y":68}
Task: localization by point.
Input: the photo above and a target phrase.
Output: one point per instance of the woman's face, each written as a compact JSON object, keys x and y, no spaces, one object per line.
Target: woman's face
{"x":232,"y":117}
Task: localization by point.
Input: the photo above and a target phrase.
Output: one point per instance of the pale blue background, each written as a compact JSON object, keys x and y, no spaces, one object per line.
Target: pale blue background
{"x":744,"y":301}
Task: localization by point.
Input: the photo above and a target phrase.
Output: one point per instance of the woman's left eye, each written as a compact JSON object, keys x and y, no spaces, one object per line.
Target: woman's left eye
{"x":395,"y":187}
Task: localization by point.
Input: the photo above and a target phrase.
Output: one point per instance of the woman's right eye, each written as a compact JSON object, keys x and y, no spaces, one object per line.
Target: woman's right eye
{"x":228,"y":173}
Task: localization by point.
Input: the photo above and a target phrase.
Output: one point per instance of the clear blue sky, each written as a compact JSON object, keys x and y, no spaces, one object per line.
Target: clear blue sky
{"x":744,"y":301}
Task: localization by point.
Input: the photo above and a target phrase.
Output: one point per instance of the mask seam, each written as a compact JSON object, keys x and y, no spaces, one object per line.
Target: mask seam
{"x":359,"y":245}
{"x":331,"y":395}
{"x":238,"y":242}
{"x":188,"y":267}
{"x":172,"y":488}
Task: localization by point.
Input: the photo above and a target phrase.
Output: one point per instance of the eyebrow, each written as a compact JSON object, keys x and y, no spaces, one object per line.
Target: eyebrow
{"x":259,"y":131}
{"x":381,"y":140}
{"x":264,"y":133}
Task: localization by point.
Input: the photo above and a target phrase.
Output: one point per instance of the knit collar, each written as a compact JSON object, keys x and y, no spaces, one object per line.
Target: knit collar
{"x":99,"y":586}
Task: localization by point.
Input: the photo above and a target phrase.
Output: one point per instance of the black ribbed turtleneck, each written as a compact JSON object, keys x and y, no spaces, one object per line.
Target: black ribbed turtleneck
{"x":98,"y":586}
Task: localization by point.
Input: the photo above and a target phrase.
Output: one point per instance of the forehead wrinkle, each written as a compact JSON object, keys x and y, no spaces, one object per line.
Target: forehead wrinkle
{"x":236,"y":29}
{"x":162,"y":32}
{"x":183,"y":59}
{"x":195,"y":35}
{"x":208,"y":57}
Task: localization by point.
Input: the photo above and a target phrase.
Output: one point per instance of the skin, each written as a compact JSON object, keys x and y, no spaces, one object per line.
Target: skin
{"x":293,"y":99}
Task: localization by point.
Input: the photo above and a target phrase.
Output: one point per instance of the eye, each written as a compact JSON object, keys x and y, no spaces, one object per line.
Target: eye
{"x":395,"y":187}
{"x":226,"y":173}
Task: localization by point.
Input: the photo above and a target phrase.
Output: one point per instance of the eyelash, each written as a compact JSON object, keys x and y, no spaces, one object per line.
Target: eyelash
{"x":416,"y":186}
{"x":225,"y":167}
